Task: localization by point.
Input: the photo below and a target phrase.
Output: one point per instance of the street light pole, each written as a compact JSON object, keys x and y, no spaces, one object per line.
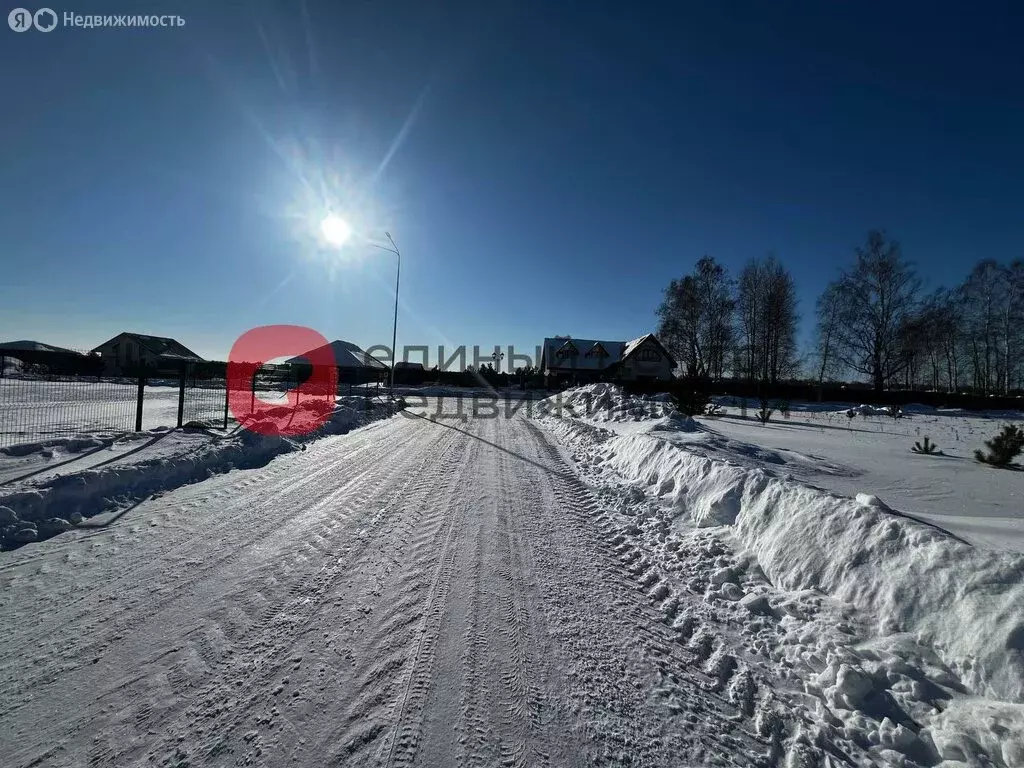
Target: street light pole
{"x":394,"y":328}
{"x":394,"y":331}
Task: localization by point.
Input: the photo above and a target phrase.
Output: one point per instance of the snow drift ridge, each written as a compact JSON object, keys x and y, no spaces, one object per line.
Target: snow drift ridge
{"x":966,"y":602}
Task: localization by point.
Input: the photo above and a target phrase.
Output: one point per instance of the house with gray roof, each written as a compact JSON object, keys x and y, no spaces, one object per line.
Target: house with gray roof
{"x":580,"y":361}
{"x":355,"y":366}
{"x":132,"y":353}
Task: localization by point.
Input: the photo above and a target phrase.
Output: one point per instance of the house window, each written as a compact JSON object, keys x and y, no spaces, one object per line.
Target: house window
{"x":566,"y":351}
{"x":597,"y":351}
{"x":649,"y":355}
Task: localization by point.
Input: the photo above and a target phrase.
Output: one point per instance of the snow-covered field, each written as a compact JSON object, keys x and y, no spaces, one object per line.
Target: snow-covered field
{"x":872,"y":454}
{"x":626,"y":588}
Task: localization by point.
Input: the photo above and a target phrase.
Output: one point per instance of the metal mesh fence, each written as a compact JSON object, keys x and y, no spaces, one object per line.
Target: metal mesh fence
{"x":35,"y":408}
{"x":38,"y":408}
{"x":205,"y":402}
{"x":38,"y":402}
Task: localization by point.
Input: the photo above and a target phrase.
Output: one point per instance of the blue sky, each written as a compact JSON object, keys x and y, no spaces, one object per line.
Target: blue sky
{"x":546,"y":168}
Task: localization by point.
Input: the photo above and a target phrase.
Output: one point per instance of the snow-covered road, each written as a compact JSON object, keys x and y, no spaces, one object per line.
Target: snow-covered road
{"x":413,"y":593}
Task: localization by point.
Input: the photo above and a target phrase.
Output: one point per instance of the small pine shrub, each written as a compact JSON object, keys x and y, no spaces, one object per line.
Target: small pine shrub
{"x":765,"y":414}
{"x":926,"y":447}
{"x":1003,"y":448}
{"x":690,"y":402}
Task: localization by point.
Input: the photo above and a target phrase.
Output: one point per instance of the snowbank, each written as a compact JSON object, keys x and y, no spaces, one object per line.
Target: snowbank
{"x":912,"y":577}
{"x":75,"y":444}
{"x":967,"y":602}
{"x":606,"y":403}
{"x":901,"y":639}
{"x":38,"y":510}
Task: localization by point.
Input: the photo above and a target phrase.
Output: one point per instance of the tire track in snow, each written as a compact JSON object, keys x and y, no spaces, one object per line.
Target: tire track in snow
{"x":682,"y":721}
{"x":481,"y":735}
{"x":390,"y":646}
{"x":205,"y":494}
{"x":480,"y":709}
{"x":526,"y":672}
{"x":183,"y":554}
{"x":191,"y":664}
{"x":401,"y":747}
{"x":144,"y":607}
{"x":292,"y":613}
{"x":472,"y":725}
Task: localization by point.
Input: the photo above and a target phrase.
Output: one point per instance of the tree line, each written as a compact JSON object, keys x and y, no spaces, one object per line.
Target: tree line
{"x":874,"y":323}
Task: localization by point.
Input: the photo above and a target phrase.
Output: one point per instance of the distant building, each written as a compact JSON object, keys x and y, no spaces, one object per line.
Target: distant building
{"x":35,"y":355}
{"x":581,"y":361}
{"x":133,"y":353}
{"x":412,"y":374}
{"x":355,"y":366}
{"x":10,"y":347}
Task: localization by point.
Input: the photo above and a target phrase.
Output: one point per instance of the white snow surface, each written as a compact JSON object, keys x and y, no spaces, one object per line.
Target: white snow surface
{"x":89,"y":475}
{"x":820,"y":446}
{"x":412,"y":593}
{"x":563,"y":591}
{"x":924,"y":598}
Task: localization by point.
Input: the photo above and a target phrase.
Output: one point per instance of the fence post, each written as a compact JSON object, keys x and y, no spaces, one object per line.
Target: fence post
{"x":181,"y":395}
{"x":227,"y":397}
{"x":138,"y":404}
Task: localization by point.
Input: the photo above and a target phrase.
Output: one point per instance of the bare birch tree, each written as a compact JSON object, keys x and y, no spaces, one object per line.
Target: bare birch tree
{"x":875,"y":298}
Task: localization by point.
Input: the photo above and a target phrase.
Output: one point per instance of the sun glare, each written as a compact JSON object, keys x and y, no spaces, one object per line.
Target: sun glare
{"x":335,"y":230}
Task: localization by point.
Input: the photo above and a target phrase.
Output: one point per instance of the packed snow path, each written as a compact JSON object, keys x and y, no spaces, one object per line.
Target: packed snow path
{"x":414,"y":593}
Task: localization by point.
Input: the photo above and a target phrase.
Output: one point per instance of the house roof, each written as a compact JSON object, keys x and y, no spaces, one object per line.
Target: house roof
{"x":409,"y":366}
{"x":617,"y":351}
{"x":631,"y":347}
{"x":581,"y":362}
{"x":347,"y":355}
{"x":163,"y":347}
{"x":34,"y":346}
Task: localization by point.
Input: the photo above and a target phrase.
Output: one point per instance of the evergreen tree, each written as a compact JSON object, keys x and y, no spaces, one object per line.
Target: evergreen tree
{"x":1003,"y":448}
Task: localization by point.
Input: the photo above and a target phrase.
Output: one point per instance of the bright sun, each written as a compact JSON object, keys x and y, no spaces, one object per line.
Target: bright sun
{"x":335,"y":230}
